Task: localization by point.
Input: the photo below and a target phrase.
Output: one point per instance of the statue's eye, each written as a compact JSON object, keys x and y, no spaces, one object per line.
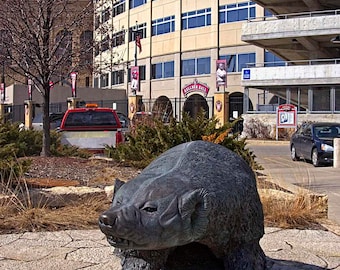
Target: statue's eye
{"x":149,"y":208}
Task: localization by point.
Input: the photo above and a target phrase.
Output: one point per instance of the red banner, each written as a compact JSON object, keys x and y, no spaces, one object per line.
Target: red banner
{"x":135,"y":78}
{"x":74,"y":83}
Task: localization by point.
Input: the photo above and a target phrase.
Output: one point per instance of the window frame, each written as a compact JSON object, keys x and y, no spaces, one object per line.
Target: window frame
{"x":190,"y":67}
{"x":225,"y":12}
{"x":191,"y":19}
{"x":159,"y":24}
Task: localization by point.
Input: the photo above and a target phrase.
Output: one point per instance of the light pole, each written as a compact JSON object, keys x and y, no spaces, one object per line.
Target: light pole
{"x":135,"y":70}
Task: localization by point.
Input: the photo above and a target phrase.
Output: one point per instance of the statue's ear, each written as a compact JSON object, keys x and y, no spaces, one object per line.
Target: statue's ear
{"x":118,"y":185}
{"x":194,"y":206}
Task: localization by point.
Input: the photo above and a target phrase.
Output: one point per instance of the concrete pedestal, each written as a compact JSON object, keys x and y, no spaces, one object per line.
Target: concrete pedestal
{"x":28,"y":113}
{"x":135,"y":104}
{"x":72,"y":102}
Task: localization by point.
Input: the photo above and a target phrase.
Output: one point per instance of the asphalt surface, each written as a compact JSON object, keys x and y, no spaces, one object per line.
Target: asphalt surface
{"x":275,"y":158}
{"x":285,"y":249}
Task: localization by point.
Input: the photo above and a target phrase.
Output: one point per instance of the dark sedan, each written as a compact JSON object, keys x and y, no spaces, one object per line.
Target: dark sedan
{"x":314,"y":142}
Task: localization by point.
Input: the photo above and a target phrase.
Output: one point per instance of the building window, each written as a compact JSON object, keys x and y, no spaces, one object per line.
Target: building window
{"x":337,"y":99}
{"x":141,"y":29}
{"x":117,"y":77}
{"x":162,"y":70}
{"x":86,"y":48}
{"x":87,"y":81}
{"x":95,"y":82}
{"x":238,"y":61}
{"x":163,"y":25}
{"x":105,"y":44}
{"x":118,"y":38}
{"x":137,"y":3}
{"x":96,"y":50}
{"x":198,"y":18}
{"x":271,"y":60}
{"x":268,"y":13}
{"x":196,"y":66}
{"x":321,"y":99}
{"x":141,"y":73}
{"x":118,"y":8}
{"x":105,"y":15}
{"x":97,"y":22}
{"x":237,"y":12}
{"x":104,"y":80}
{"x":64,"y":42}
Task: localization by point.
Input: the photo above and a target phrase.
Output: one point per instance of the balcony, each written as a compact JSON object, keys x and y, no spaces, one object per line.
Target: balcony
{"x":303,"y":73}
{"x":297,"y":36}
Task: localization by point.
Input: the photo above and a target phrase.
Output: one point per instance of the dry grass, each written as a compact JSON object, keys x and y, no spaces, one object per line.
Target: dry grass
{"x":296,"y":211}
{"x":81,"y":215}
{"x":281,"y":209}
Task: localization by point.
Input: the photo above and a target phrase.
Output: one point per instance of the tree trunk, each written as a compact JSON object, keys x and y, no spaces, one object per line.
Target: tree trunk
{"x":46,"y":138}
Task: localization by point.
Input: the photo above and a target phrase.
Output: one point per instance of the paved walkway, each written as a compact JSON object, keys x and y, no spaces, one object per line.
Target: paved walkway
{"x":88,"y":249}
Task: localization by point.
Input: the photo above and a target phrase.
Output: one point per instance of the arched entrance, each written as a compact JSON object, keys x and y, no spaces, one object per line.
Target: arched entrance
{"x":162,"y":109}
{"x":194,"y":104}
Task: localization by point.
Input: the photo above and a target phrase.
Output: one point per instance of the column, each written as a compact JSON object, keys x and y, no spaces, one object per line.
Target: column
{"x":135,"y":105}
{"x":221,"y":103}
{"x":72,"y":102}
{"x":28,"y":114}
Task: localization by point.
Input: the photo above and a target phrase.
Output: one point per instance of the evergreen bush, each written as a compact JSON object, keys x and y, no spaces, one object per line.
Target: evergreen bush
{"x":148,"y":140}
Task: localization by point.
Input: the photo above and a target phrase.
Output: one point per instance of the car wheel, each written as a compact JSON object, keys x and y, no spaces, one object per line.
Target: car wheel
{"x":293,"y":153}
{"x":315,"y":158}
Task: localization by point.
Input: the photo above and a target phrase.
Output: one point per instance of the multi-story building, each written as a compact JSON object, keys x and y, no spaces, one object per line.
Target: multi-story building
{"x":305,"y":34}
{"x":181,"y":42}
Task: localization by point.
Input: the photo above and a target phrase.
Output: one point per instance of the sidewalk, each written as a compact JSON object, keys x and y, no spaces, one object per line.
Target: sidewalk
{"x":88,"y":249}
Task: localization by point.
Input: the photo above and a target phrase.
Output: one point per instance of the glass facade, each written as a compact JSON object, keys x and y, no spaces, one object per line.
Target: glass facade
{"x":197,"y":18}
{"x":237,"y":12}
{"x":163,"y":25}
{"x":162,"y":70}
{"x":196,"y":66}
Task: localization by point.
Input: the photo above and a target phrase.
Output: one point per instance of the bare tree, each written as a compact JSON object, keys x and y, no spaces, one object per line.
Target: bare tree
{"x":40,"y":45}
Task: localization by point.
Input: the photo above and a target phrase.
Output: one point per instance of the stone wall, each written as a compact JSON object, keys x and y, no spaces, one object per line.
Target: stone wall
{"x":263,"y":126}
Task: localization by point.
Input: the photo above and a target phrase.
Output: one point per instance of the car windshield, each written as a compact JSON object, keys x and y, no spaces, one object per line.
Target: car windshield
{"x":91,"y":119}
{"x":327,"y":131}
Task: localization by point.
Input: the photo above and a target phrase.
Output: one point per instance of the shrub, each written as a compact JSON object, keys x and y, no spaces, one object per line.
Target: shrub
{"x":16,"y":143}
{"x":147,"y":141}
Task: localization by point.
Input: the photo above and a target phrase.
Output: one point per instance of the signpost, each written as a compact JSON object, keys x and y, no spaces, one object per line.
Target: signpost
{"x":286,"y":117}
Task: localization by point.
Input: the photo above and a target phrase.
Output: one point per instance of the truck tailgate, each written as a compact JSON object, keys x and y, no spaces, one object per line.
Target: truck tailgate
{"x":91,"y":140}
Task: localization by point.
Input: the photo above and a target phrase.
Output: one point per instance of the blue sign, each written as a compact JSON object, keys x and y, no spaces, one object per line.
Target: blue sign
{"x":246,"y":74}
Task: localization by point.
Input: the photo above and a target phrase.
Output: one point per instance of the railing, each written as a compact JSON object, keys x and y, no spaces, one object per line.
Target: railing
{"x":296,"y":15}
{"x":296,"y":62}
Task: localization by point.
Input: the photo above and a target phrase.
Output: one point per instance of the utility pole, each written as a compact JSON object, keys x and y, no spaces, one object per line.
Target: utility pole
{"x":135,"y":69}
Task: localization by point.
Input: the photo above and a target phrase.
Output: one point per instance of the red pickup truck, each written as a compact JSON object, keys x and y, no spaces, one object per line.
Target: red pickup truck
{"x":91,"y":128}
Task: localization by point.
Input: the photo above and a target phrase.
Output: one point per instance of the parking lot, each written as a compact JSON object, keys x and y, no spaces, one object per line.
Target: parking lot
{"x":275,"y":158}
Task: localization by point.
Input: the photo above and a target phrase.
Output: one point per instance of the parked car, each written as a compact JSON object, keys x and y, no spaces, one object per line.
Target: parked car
{"x":91,"y":128}
{"x":55,"y":121}
{"x":125,"y":122}
{"x":314,"y":142}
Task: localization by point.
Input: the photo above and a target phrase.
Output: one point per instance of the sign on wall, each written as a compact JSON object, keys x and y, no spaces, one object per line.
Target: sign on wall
{"x":196,"y":86}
